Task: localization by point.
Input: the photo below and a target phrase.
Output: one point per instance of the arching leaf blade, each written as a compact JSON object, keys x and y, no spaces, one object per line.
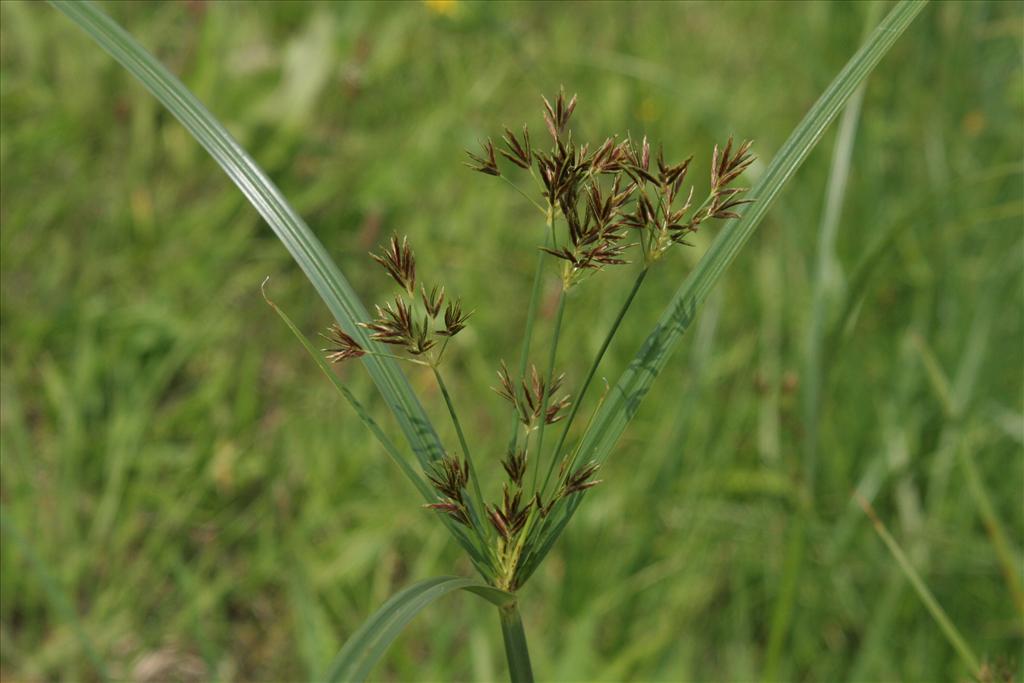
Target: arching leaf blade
{"x":629,"y":391}
{"x":263,"y":194}
{"x":366,"y":646}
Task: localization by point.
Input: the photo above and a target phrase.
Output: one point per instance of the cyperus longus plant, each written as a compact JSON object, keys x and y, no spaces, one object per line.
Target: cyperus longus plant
{"x":602,"y":206}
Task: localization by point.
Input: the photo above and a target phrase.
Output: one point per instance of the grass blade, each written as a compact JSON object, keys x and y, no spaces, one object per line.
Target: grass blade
{"x":477,"y":555}
{"x":366,"y":645}
{"x":297,"y":237}
{"x":933,"y":606}
{"x":827,"y":273}
{"x":1007,"y":559}
{"x":826,"y":276}
{"x":371,"y":424}
{"x":61,"y":601}
{"x":519,"y":668}
{"x":625,"y":398}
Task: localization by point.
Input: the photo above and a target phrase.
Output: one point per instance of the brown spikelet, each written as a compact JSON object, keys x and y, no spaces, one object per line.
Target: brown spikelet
{"x":453,"y":509}
{"x":342,"y":346}
{"x":393,"y":324}
{"x":580,"y":480}
{"x":398,"y":260}
{"x":519,"y":152}
{"x":487,"y":163}
{"x":510,"y":517}
{"x":432,"y":301}
{"x":515,"y":466}
{"x":556,"y":117}
{"x":454,"y":319}
{"x":726,"y":167}
{"x":449,"y":477}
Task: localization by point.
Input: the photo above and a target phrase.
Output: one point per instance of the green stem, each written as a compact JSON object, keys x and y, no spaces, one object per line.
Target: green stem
{"x":462,"y":436}
{"x":526,"y":196}
{"x":992,"y":525}
{"x":547,"y":387}
{"x":518,"y":654}
{"x":531,"y":316}
{"x":931,"y":604}
{"x":414,"y":361}
{"x":593,"y":371}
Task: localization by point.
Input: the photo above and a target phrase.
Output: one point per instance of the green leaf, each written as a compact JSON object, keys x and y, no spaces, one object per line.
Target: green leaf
{"x":300,"y":241}
{"x":949,"y":630}
{"x":286,"y":223}
{"x":366,"y":645}
{"x":478,"y":557}
{"x":625,"y":398}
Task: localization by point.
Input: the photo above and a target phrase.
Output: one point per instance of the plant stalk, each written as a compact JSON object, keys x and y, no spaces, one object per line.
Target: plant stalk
{"x":462,"y":437}
{"x":516,"y":651}
{"x":547,"y":387}
{"x":593,"y":371}
{"x":953,"y":635}
{"x":531,"y":316}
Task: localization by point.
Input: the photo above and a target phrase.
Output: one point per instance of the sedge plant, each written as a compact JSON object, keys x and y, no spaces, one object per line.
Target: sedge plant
{"x":600,"y":206}
{"x":604,"y":205}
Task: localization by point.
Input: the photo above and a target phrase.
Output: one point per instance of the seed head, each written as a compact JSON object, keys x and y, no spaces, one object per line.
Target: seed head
{"x":449,"y":476}
{"x":519,"y":153}
{"x":509,"y":518}
{"x":398,"y":260}
{"x":528,"y":397}
{"x":454,"y":319}
{"x":342,"y":346}
{"x":557,"y":117}
{"x":726,"y":167}
{"x":432,"y":301}
{"x":486,"y":164}
{"x":453,"y":509}
{"x":515,"y":466}
{"x":580,"y":479}
{"x":393,"y":324}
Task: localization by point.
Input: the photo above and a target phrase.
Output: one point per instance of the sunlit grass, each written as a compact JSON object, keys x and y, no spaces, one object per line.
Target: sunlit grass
{"x":144,"y":378}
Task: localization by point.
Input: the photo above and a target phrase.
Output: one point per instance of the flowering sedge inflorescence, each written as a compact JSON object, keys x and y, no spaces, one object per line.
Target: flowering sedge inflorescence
{"x":599,"y":203}
{"x":398,"y":323}
{"x":606,"y":193}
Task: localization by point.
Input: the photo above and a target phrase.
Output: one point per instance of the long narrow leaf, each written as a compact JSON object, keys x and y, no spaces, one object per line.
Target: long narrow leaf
{"x":949,"y":630}
{"x":371,"y":424}
{"x":476,"y":555}
{"x":625,"y":398}
{"x":366,"y":645}
{"x":61,"y":601}
{"x":300,"y":241}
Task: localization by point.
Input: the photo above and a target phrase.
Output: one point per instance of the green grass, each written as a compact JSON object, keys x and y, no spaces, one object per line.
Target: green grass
{"x":176,"y":471}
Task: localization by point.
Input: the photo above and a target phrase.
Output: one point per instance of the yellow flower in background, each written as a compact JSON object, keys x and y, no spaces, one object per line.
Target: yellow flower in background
{"x":444,"y":7}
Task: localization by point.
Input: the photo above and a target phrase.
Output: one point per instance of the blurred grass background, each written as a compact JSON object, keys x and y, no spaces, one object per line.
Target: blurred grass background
{"x":184,"y":498}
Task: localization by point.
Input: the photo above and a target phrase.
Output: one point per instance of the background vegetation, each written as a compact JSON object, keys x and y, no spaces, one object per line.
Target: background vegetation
{"x":183,"y":496}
